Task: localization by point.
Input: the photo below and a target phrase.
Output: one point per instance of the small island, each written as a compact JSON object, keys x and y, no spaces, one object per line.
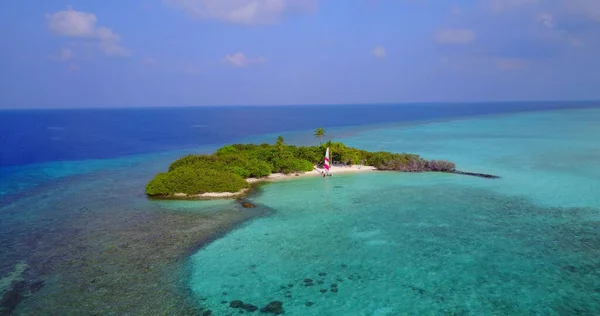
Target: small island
{"x":230,"y":171}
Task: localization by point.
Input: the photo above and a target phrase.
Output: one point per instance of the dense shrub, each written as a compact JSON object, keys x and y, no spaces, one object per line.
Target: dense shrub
{"x":350,"y":157}
{"x":441,"y":165}
{"x":160,"y":185}
{"x":192,"y":159}
{"x":240,"y":171}
{"x":191,"y":180}
{"x":258,"y":169}
{"x":405,"y":162}
{"x":290,"y":165}
{"x":227,"y":149}
{"x":313,"y":154}
{"x":378,"y":159}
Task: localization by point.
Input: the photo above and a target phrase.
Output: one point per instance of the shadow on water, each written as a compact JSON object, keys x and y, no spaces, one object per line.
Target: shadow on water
{"x":95,"y":245}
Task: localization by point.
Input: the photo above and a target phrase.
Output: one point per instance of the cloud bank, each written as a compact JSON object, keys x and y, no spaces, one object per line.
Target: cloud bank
{"x":240,"y":60}
{"x":248,"y":12}
{"x":82,"y":26}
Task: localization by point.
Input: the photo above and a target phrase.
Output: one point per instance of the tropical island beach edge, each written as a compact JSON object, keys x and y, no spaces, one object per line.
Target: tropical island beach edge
{"x":233,"y":169}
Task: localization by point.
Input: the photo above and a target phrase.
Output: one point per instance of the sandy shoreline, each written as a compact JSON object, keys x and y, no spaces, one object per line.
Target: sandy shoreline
{"x":317,"y":172}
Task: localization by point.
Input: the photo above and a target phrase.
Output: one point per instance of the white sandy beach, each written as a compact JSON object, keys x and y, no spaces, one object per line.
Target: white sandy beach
{"x":317,"y":172}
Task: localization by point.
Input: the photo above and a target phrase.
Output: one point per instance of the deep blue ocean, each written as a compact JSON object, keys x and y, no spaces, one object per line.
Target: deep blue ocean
{"x":35,"y":136}
{"x":78,"y":235}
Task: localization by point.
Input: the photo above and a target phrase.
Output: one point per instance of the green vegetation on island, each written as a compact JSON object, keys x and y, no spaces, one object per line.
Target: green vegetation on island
{"x":227,"y":169}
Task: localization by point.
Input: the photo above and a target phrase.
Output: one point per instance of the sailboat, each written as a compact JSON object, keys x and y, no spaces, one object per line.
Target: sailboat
{"x":327,"y":164}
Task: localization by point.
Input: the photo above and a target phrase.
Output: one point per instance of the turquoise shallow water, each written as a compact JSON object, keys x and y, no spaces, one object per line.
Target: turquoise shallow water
{"x":552,"y":157}
{"x":85,"y":239}
{"x":430,"y":244}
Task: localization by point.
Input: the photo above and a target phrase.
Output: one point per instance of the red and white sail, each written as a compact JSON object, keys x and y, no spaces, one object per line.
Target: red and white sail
{"x":327,"y":164}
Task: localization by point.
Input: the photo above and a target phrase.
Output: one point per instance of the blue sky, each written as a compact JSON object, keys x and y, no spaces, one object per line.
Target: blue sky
{"x":270,"y":52}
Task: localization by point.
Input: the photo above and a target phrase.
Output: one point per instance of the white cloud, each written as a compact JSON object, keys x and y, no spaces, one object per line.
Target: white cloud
{"x":72,"y":23}
{"x":379,"y":52}
{"x":547,"y":19}
{"x":240,"y":60}
{"x":82,"y":25}
{"x":455,"y":36}
{"x":65,"y":54}
{"x":571,"y":22}
{"x":249,"y":12}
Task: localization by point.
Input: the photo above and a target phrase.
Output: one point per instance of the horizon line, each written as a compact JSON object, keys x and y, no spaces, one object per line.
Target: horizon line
{"x":120,"y":107}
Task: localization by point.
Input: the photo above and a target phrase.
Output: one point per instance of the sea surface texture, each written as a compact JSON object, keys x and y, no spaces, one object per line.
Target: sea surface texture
{"x":79,"y":237}
{"x":430,"y":244}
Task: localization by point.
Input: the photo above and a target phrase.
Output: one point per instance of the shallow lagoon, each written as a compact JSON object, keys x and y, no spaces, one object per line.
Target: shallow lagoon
{"x":394,"y":244}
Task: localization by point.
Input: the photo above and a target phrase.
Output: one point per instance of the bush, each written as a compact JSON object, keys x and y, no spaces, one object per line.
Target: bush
{"x":190,"y":160}
{"x":311,"y":154}
{"x":377,"y":159}
{"x":290,"y":165}
{"x":258,"y":169}
{"x":191,"y":180}
{"x":399,"y":162}
{"x":240,"y":171}
{"x":441,"y":165}
{"x":350,"y":157}
{"x":159,"y":185}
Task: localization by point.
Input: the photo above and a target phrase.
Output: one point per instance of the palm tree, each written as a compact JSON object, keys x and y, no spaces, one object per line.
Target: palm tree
{"x":279,"y":141}
{"x":319,"y":133}
{"x":280,"y":151}
{"x":279,"y":144}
